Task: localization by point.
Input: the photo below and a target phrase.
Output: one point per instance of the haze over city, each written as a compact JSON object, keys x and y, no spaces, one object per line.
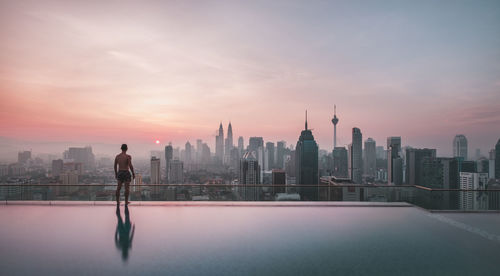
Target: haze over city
{"x":103,"y":73}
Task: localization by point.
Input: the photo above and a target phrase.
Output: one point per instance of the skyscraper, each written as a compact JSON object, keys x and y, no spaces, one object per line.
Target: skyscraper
{"x":279,"y":178}
{"x":249,"y":176}
{"x":155,"y":170}
{"x":306,"y":164}
{"x":370,"y":155}
{"x":57,"y":167}
{"x":199,"y":146}
{"x":176,"y":171}
{"x":356,"y":156}
{"x":497,"y":160}
{"x":188,"y":153}
{"x":335,"y":121}
{"x":340,"y":167}
{"x":81,"y":155}
{"x":280,"y":153}
{"x":414,"y":162}
{"x":169,"y":153}
{"x":241,"y":145}
{"x":219,"y":144}
{"x":270,"y":155}
{"x":23,"y":156}
{"x":394,"y":161}
{"x":256,"y":144}
{"x":205,"y":154}
{"x":460,"y":146}
{"x":228,"y":146}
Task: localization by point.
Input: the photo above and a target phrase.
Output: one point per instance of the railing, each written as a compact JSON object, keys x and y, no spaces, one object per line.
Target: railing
{"x":432,"y":199}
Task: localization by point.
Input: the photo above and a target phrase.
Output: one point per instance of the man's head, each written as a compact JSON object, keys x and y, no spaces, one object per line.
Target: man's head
{"x":124,"y":147}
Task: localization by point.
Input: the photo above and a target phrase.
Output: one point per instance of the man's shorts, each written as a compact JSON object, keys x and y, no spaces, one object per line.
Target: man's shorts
{"x":124,"y":176}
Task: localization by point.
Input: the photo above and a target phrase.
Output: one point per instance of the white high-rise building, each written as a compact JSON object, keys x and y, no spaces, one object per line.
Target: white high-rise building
{"x":471,"y":199}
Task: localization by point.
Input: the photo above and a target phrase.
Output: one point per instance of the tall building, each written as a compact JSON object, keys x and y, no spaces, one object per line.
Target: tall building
{"x":306,"y":164}
{"x":155,"y":170}
{"x":270,"y":155}
{"x":279,"y":178}
{"x":241,"y":145}
{"x":370,"y":156}
{"x":356,"y":154}
{"x":188,"y":152}
{"x":394,"y":161}
{"x":169,"y":155}
{"x":176,"y":172}
{"x":414,"y":159}
{"x":335,"y":121}
{"x":470,"y":199}
{"x":81,"y":155}
{"x":340,"y":166}
{"x":280,"y":153}
{"x":381,"y":154}
{"x":256,"y":144}
{"x":199,"y":149}
{"x":460,"y":146}
{"x":219,"y":144}
{"x":206,"y":156}
{"x":228,"y":145}
{"x":497,"y":160}
{"x":249,"y":176}
{"x":57,"y":167}
{"x":23,"y":156}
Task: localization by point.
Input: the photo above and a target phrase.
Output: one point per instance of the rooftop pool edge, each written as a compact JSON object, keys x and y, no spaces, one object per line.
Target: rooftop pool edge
{"x":211,"y":203}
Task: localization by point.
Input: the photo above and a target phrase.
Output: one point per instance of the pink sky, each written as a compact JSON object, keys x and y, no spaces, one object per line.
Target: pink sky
{"x":135,"y":72}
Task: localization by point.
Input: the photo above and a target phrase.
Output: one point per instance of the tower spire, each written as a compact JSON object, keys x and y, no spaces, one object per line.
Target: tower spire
{"x":335,"y":121}
{"x":306,"y":119}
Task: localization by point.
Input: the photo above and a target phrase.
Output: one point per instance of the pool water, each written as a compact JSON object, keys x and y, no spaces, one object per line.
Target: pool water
{"x":215,"y":239}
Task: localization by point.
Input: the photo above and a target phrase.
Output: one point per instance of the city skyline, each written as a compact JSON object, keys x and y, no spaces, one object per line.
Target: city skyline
{"x":85,"y":73}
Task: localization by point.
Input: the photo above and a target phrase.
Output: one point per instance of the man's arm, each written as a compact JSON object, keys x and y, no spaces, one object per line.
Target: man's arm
{"x":130,"y":165}
{"x":115,"y":166}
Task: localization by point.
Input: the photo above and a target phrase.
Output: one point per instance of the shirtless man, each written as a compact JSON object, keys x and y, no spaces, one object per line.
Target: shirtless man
{"x":123,"y":162}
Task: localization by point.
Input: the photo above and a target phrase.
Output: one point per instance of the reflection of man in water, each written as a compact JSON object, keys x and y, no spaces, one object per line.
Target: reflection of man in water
{"x":123,"y":233}
{"x":123,"y":163}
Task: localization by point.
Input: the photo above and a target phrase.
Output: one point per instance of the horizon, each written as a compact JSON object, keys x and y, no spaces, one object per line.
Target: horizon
{"x":110,"y":73}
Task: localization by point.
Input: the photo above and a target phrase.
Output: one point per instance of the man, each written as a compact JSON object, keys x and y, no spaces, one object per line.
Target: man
{"x":123,"y":162}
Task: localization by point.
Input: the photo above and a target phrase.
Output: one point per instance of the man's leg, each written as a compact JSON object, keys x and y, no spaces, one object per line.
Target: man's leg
{"x":118,"y":188}
{"x":127,"y":190}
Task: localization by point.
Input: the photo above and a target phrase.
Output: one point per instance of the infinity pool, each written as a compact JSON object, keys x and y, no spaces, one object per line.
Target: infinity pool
{"x":246,"y":239}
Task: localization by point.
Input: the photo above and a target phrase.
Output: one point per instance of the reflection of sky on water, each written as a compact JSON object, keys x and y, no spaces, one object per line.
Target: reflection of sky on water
{"x":242,"y":240}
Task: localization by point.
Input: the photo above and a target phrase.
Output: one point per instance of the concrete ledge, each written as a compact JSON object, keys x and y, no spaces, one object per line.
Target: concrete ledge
{"x":27,"y":202}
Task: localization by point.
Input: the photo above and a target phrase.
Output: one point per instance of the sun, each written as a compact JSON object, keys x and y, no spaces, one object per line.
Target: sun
{"x":157,"y":142}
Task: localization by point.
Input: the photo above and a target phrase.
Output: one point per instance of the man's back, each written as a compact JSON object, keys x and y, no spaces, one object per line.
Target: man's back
{"x":123,"y":161}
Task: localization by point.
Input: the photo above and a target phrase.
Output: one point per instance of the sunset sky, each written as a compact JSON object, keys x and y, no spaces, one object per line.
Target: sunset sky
{"x":138,"y":71}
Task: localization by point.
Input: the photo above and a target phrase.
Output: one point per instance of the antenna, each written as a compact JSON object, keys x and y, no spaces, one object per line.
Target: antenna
{"x":334,"y":109}
{"x":306,"y":119}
